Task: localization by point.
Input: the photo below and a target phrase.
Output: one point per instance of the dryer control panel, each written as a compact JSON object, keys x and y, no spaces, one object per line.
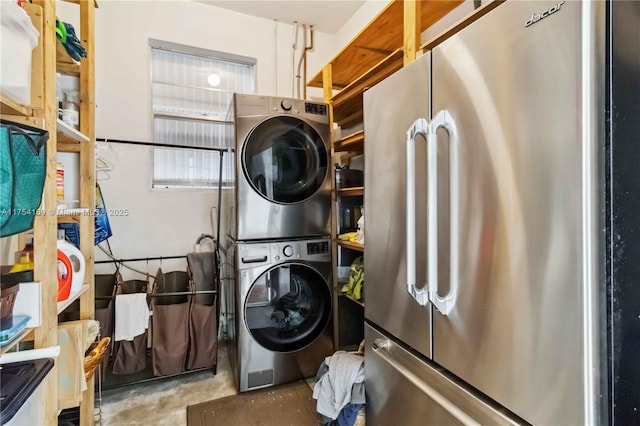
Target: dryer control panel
{"x":309,"y":250}
{"x":311,"y":110}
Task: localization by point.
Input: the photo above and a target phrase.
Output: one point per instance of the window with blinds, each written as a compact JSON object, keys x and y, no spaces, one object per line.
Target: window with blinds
{"x":192,"y":90}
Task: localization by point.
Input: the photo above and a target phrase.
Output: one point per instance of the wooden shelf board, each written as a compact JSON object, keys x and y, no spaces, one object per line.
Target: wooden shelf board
{"x":349,"y":100}
{"x":68,"y":146}
{"x":72,"y":215}
{"x":27,"y":334}
{"x":454,"y":29}
{"x":67,"y":68}
{"x":346,"y":121}
{"x":352,"y":142}
{"x":350,"y":245}
{"x":77,"y":212}
{"x":95,"y":2}
{"x":72,"y":298}
{"x":372,"y":76}
{"x":69,"y":135}
{"x":382,"y":36}
{"x":11,"y":107}
{"x":350,"y":192}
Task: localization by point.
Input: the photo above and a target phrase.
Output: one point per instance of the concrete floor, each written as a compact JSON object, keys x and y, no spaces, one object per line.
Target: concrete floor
{"x":165,"y":402}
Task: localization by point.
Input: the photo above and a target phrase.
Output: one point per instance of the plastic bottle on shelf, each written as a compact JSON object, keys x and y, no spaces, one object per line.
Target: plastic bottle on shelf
{"x":24,"y":258}
{"x":77,"y":261}
{"x":60,"y":185}
{"x":71,"y":109}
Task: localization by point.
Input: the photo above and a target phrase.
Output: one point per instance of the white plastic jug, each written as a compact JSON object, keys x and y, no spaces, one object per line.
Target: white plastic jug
{"x":77,"y":262}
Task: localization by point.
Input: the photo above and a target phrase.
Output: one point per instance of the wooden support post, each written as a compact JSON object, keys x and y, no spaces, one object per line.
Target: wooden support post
{"x":327,"y":83}
{"x":411,"y":30}
{"x":87,"y":181}
{"x":45,"y":227}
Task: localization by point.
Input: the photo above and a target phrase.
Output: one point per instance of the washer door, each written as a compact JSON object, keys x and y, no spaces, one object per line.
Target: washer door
{"x":285,"y":160}
{"x":288,"y":307}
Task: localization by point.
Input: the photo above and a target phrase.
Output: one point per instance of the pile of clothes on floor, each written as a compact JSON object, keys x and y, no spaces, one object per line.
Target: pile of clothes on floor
{"x":339,"y":388}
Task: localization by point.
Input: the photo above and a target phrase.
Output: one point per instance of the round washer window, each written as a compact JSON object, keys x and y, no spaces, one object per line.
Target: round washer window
{"x":288,"y":307}
{"x":285,"y":160}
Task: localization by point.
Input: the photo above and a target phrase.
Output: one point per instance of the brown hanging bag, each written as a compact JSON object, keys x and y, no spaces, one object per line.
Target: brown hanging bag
{"x":169,"y":332}
{"x":203,"y":313}
{"x":105,"y":293}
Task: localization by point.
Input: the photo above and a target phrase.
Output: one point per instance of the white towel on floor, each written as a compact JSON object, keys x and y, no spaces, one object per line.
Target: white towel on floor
{"x":333,"y":389}
{"x":132,"y":315}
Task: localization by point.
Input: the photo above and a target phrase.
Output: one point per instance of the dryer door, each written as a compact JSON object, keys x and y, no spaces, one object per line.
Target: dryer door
{"x":285,"y":160}
{"x":288,"y":307}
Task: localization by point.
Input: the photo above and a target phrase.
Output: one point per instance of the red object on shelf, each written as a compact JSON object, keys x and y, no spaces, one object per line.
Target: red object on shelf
{"x":64,"y":276}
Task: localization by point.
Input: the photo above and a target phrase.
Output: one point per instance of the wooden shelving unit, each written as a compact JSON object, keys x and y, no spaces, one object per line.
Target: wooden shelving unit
{"x":24,"y":336}
{"x":69,"y":135}
{"x":42,"y":113}
{"x":350,"y":245}
{"x":10,"y":107}
{"x":347,"y":103}
{"x":72,"y":298}
{"x":379,"y":39}
{"x":353,"y":142}
{"x":390,"y":41}
{"x":353,"y":192}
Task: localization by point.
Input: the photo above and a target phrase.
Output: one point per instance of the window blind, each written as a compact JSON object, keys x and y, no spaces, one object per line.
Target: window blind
{"x":191,"y":92}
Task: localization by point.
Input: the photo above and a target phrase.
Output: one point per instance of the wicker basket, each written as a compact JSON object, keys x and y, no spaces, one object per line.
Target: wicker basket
{"x":95,"y":354}
{"x":8,"y":294}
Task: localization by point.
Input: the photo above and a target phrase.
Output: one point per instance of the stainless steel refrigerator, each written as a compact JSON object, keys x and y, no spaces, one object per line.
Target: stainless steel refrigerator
{"x":485,"y":216}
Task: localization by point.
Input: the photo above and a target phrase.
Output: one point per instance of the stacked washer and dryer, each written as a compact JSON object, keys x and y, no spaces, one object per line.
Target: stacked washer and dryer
{"x":279,"y":305}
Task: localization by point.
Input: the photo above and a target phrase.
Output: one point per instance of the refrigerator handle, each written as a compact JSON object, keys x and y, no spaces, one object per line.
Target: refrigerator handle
{"x":419,"y":127}
{"x":444,"y":304}
{"x":388,"y":351}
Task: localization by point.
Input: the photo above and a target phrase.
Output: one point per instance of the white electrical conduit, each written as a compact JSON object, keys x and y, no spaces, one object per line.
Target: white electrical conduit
{"x":304,"y":74}
{"x":275,"y":27}
{"x":302,"y":58}
{"x":293,"y":58}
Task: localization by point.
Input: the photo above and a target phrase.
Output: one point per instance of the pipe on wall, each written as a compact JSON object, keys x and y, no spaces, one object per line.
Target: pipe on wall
{"x":293,"y":57}
{"x":302,"y":58}
{"x":304,"y":74}
{"x":303,"y":61}
{"x":275,"y":62}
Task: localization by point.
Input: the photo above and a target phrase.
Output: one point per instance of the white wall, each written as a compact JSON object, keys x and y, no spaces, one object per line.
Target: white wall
{"x":122,"y":54}
{"x":167,"y":222}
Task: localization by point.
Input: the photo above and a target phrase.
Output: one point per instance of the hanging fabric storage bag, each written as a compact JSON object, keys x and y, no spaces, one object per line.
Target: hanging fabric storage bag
{"x":23,"y":157}
{"x":105,"y":292}
{"x":169,"y":332}
{"x":130,"y":356}
{"x":203,"y":313}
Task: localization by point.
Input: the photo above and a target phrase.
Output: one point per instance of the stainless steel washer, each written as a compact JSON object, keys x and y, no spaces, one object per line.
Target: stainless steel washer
{"x":283,"y":187}
{"x":279,"y":311}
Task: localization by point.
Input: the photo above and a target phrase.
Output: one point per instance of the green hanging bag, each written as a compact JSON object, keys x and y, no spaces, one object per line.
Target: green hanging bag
{"x":23,"y":161}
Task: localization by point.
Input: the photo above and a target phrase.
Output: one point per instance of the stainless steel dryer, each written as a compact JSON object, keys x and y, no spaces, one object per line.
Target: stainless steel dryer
{"x":283,"y":187}
{"x":279,"y":311}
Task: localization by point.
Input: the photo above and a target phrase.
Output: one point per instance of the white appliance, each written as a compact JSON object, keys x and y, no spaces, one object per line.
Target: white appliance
{"x":494,"y":241}
{"x":283,"y":186}
{"x":278,"y":311}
